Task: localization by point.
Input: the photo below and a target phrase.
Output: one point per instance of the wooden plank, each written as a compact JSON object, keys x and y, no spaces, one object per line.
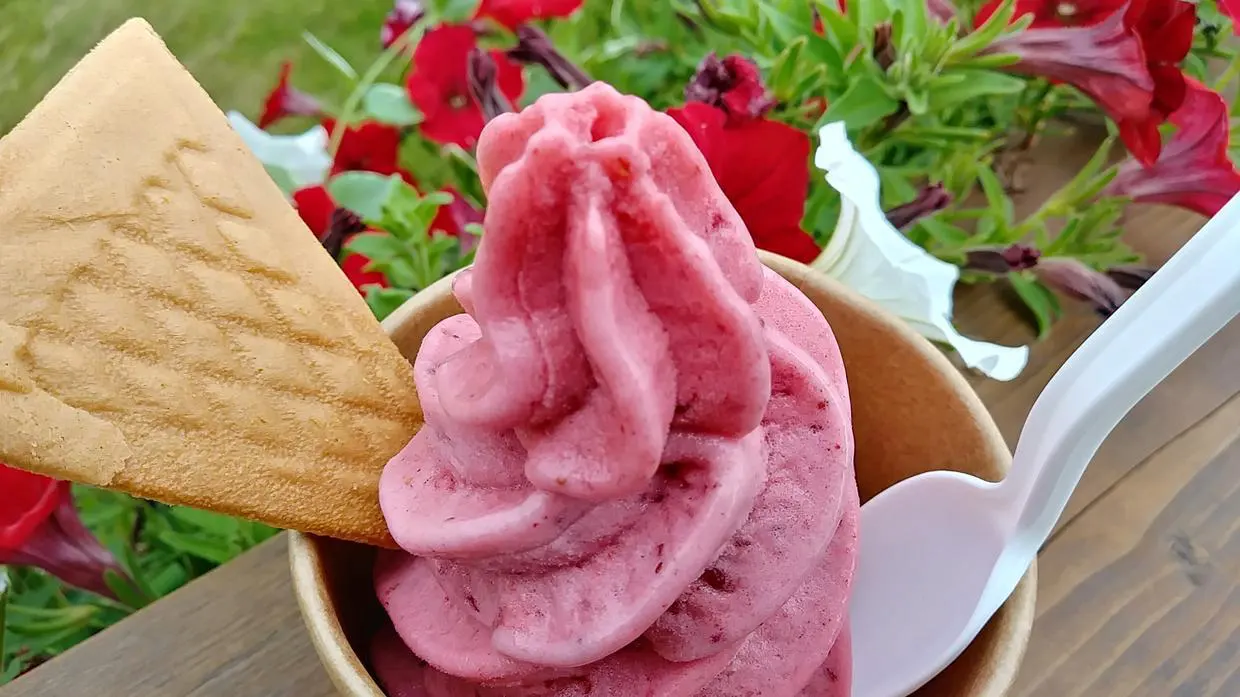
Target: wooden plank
{"x":1140,"y":595}
{"x":236,"y":632}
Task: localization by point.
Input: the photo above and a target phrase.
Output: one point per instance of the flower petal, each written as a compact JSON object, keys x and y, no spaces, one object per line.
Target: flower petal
{"x":304,"y":157}
{"x":870,"y":256}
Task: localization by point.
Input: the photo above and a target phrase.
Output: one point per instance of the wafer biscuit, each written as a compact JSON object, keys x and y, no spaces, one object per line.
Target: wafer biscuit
{"x":168,"y":326}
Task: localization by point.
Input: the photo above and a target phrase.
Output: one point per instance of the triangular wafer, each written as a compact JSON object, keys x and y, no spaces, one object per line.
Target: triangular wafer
{"x":168,"y":326}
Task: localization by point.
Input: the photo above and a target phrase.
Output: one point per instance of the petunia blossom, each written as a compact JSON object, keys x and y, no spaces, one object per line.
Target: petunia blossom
{"x":439,"y":84}
{"x":1124,"y":54}
{"x":761,"y":166}
{"x":514,"y":13}
{"x":732,"y":84}
{"x":403,"y":15}
{"x":40,"y":527}
{"x":370,"y":146}
{"x":286,"y":100}
{"x":870,"y":256}
{"x":303,"y":158}
{"x":1194,"y":170}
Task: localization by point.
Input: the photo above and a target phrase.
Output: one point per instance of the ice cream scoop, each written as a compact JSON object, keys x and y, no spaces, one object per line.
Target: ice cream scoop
{"x":945,"y":549}
{"x":635,"y":475}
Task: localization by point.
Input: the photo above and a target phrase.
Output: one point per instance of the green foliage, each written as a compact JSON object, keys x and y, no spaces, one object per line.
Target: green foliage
{"x":161,"y":548}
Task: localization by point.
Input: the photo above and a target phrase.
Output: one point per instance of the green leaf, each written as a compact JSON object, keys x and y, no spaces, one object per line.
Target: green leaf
{"x":782,"y":77}
{"x":998,"y":24}
{"x":865,"y":102}
{"x":364,"y":193}
{"x":786,"y":28}
{"x":210,"y":523}
{"x":825,"y":52}
{"x":1038,"y":298}
{"x":996,"y":198}
{"x":990,"y":61}
{"x":837,"y":27}
{"x":384,"y":301}
{"x":959,"y":86}
{"x":205,"y":549}
{"x":390,"y":104}
{"x":168,"y":579}
{"x":914,"y":21}
{"x":377,"y":247}
{"x":329,"y":54}
{"x":946,"y":234}
{"x":125,"y":590}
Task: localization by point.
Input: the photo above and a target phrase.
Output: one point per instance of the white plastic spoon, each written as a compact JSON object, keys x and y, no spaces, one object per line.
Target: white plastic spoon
{"x":942,"y":551}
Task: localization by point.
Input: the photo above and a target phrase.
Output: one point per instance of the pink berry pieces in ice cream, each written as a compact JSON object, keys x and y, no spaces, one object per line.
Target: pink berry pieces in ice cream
{"x":635,"y":476}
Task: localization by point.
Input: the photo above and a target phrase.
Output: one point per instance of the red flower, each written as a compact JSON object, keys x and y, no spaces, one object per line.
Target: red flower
{"x":1231,"y":8}
{"x":1194,"y":170}
{"x":368,"y":147}
{"x":762,"y":167}
{"x":514,"y":13}
{"x":40,"y":527}
{"x":29,"y":500}
{"x":439,"y":84}
{"x":404,"y":14}
{"x":1124,"y":55}
{"x":732,"y":84}
{"x":284,"y":100}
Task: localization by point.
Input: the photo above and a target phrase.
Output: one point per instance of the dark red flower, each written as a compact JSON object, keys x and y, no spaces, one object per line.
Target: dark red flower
{"x":370,"y":146}
{"x":514,"y":13}
{"x":733,"y":84}
{"x":403,"y":15}
{"x":930,"y":200}
{"x":284,"y":100}
{"x":762,"y":167}
{"x":40,"y":527}
{"x":439,"y":84}
{"x":1194,"y":170}
{"x":1079,"y":282}
{"x":1124,"y":55}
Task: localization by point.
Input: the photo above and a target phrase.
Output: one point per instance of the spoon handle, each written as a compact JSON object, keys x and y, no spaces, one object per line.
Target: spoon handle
{"x":1194,"y":295}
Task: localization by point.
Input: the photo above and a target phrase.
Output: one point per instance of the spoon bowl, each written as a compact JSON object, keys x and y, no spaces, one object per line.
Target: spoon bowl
{"x":915,"y":525}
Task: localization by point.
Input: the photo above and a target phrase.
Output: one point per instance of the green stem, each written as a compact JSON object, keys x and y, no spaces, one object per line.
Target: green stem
{"x":350,"y":109}
{"x":1041,"y":103}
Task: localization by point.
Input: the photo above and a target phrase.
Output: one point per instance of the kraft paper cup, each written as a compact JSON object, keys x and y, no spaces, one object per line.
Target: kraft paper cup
{"x":912,"y":412}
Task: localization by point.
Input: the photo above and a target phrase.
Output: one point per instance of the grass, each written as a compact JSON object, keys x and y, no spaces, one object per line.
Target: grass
{"x":233,"y":47}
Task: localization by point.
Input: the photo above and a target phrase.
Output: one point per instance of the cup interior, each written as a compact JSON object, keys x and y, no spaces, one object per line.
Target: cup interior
{"x":912,"y":412}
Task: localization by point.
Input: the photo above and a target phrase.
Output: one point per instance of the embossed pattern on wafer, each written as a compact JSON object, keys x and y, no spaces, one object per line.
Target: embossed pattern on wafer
{"x":169,"y":327}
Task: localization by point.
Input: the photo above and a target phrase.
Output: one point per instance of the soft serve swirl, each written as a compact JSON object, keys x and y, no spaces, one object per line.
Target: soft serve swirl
{"x":635,"y":474}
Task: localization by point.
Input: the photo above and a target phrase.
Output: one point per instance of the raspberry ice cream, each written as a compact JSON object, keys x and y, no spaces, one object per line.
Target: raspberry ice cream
{"x":636,"y":471}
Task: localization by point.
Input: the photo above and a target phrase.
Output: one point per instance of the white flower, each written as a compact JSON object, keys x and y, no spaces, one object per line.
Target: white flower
{"x":302,"y":158}
{"x":869,"y":255}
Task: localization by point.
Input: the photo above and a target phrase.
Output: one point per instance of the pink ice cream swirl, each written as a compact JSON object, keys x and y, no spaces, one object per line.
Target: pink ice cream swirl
{"x":635,"y":475}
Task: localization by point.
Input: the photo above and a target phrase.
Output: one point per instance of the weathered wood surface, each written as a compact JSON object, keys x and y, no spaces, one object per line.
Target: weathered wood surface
{"x":1139,"y":591}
